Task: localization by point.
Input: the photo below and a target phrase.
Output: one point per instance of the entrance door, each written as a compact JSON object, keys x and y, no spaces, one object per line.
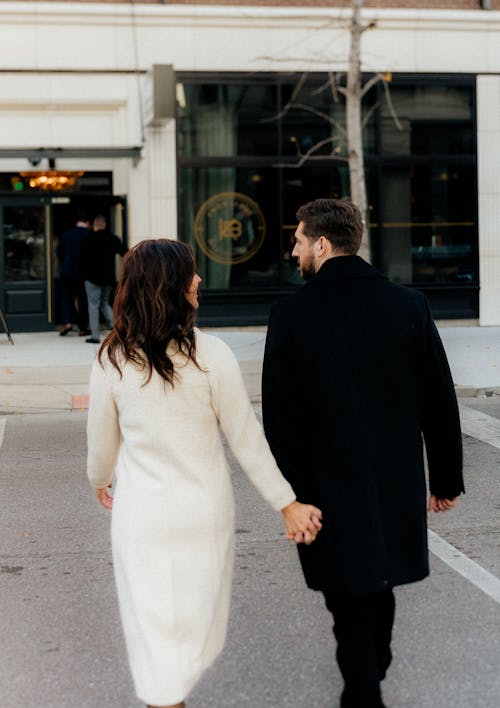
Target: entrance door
{"x":25,"y":264}
{"x":29,"y":229}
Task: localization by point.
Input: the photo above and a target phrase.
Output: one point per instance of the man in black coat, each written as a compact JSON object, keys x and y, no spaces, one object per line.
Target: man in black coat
{"x":72,"y":287}
{"x":97,"y":266}
{"x":355,"y":377}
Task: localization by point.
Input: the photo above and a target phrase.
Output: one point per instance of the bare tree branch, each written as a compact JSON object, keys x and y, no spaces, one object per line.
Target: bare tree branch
{"x":322,"y":114}
{"x":310,"y":154}
{"x":370,"y":83}
{"x":369,"y":114}
{"x":289,"y":105}
{"x":298,"y":58}
{"x":370,"y":25}
{"x":353,"y":91}
{"x":390,"y":106}
{"x":333,"y":83}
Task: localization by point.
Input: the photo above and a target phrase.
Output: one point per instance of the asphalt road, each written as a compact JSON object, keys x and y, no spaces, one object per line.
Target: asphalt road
{"x":61,"y":638}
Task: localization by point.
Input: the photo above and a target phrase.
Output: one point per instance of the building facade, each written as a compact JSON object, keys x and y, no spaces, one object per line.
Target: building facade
{"x":213,"y":122}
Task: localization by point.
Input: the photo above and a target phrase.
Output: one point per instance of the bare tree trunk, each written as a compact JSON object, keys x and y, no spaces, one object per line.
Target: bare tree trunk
{"x":354,"y":126}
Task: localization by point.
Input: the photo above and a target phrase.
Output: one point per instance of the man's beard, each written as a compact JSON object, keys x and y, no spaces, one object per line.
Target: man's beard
{"x":307,"y":270}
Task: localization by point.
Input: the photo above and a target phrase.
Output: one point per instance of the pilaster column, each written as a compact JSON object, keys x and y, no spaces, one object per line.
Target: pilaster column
{"x":488,"y":151}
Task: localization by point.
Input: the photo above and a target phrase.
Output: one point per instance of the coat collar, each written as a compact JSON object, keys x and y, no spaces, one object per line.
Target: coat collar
{"x":345,"y":268}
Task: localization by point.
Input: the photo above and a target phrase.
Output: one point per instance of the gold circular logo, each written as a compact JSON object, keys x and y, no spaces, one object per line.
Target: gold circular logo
{"x":229,"y":228}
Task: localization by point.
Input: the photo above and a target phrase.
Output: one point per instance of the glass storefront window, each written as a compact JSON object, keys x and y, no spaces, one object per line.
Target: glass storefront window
{"x":228,"y":119}
{"x":239,"y":211}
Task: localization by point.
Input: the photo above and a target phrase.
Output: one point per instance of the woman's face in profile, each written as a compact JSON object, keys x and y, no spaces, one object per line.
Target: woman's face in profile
{"x":192,"y":291}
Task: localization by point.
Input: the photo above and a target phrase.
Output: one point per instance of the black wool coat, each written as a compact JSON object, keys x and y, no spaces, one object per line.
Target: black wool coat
{"x":355,"y":378}
{"x":97,"y":260}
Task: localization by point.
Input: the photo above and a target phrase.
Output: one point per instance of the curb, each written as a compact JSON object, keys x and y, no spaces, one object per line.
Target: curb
{"x":474,"y":392}
{"x":80,"y":401}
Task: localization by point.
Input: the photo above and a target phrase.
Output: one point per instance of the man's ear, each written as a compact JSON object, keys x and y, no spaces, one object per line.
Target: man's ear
{"x":323,"y":247}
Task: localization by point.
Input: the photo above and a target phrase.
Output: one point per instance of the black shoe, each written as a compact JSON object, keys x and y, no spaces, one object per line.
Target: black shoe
{"x":64,"y":331}
{"x":92,"y":340}
{"x":84,"y":332}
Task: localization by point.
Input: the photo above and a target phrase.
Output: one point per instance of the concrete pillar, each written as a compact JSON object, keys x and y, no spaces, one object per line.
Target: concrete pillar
{"x":153,"y":187}
{"x":488,"y":149}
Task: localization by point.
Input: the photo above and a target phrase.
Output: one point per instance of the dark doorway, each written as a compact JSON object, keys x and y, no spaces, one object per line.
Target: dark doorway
{"x":30,"y":229}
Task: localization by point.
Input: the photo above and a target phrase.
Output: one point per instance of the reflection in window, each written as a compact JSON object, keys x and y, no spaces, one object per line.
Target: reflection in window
{"x":24,"y":243}
{"x":228,"y":119}
{"x":434,"y":119}
{"x":428,"y":228}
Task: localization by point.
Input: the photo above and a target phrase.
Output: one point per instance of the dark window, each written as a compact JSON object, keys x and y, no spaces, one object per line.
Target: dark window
{"x":253,"y":149}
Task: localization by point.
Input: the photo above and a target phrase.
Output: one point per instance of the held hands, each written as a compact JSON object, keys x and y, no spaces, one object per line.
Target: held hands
{"x":302,"y":522}
{"x":436,"y":504}
{"x":104,"y":498}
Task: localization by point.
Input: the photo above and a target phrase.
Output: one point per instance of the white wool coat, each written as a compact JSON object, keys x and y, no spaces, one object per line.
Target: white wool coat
{"x":172,"y":528}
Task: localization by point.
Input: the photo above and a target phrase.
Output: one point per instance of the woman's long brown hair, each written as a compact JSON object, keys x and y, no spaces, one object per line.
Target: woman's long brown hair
{"x":150,"y":307}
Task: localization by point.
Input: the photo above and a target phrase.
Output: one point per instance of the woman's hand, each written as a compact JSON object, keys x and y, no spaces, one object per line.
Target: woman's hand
{"x":104,"y":498}
{"x":302,"y":522}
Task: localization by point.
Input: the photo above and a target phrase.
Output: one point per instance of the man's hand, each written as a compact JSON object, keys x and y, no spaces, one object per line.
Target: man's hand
{"x":302,"y":522}
{"x":436,"y":504}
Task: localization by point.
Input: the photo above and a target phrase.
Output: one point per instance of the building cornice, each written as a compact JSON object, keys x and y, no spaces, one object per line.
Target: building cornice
{"x":225,"y":15}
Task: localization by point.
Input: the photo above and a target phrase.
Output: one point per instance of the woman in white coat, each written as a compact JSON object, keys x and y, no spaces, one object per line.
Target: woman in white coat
{"x":160,"y":393}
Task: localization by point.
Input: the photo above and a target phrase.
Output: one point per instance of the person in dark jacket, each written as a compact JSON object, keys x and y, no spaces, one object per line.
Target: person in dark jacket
{"x":72,"y":287}
{"x":98,"y":270}
{"x":355,"y":378}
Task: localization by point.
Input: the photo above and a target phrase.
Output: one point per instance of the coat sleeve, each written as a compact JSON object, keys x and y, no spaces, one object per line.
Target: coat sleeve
{"x":103,"y":431}
{"x":243,"y":431}
{"x":441,"y":420}
{"x":119,"y":246}
{"x":282,"y":411}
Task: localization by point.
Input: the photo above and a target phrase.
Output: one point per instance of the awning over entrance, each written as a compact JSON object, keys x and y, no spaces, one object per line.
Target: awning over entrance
{"x":35,"y":155}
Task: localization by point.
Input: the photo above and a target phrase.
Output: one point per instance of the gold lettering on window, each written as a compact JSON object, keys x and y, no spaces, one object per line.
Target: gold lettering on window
{"x":230,"y":228}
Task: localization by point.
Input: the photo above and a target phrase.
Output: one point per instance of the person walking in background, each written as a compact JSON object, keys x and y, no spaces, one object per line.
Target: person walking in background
{"x":97,"y":267}
{"x":72,"y":286}
{"x":354,"y":375}
{"x":161,"y":392}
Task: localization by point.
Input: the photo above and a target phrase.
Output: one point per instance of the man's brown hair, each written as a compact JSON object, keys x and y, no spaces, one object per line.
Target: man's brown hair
{"x":338,"y":220}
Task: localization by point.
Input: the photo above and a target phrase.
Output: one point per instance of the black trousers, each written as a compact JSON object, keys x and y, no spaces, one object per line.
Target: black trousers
{"x":73,"y":289}
{"x":363,"y":630}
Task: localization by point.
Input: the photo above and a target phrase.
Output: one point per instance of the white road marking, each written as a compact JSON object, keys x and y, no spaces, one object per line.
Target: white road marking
{"x":486,"y":428}
{"x":480,"y":425}
{"x":3,"y":423}
{"x":469,"y":569}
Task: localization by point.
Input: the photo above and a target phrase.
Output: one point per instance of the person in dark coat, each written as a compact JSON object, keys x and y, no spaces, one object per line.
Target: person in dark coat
{"x":72,"y":287}
{"x":97,"y":267}
{"x":355,"y":378}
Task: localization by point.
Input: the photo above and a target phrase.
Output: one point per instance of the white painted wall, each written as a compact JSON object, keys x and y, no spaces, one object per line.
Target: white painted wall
{"x":65,"y":35}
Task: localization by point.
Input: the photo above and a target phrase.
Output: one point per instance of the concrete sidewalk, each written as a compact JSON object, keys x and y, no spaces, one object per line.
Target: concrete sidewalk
{"x":45,"y":372}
